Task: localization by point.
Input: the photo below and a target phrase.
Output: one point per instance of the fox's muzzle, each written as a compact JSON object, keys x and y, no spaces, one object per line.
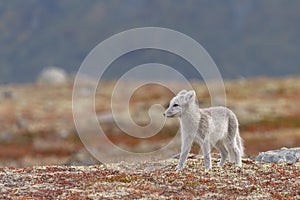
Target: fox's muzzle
{"x":166,"y":114}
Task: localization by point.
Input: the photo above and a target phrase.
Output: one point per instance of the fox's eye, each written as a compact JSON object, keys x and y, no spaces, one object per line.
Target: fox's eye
{"x":175,"y":105}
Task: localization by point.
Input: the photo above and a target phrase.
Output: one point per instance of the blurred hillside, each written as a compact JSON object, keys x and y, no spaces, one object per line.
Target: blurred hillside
{"x":37,"y":126}
{"x":245,"y":38}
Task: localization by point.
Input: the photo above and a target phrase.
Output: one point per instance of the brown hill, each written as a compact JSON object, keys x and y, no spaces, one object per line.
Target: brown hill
{"x":37,"y":128}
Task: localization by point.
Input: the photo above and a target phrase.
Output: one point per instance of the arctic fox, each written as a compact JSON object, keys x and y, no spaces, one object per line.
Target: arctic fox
{"x":210,"y":127}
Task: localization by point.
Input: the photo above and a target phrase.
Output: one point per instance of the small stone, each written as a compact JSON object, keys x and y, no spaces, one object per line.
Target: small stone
{"x":8,"y":94}
{"x":282,"y":155}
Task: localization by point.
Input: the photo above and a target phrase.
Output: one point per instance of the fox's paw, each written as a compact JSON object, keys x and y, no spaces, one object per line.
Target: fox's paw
{"x":178,"y":168}
{"x":239,"y":164}
{"x":207,"y":167}
{"x":220,"y":164}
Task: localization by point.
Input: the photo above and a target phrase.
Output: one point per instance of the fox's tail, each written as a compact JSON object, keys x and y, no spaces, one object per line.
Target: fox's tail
{"x":240,"y":144}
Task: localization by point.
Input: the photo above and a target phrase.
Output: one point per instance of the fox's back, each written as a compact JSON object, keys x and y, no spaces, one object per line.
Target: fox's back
{"x":217,"y":112}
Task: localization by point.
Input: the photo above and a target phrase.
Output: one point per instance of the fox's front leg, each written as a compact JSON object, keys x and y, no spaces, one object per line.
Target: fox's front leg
{"x":206,"y":148}
{"x":186,"y":144}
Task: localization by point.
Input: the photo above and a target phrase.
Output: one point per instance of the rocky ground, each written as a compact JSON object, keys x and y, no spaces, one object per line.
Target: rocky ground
{"x":153,"y":180}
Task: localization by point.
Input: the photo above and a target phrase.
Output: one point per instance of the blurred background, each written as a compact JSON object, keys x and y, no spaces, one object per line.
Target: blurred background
{"x":255,"y":45}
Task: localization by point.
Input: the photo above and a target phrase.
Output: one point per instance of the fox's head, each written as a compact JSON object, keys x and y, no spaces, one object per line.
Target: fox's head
{"x":180,"y":102}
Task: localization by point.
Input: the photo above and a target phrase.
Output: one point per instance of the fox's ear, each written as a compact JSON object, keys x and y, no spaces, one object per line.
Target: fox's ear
{"x":182,"y":92}
{"x":190,"y":96}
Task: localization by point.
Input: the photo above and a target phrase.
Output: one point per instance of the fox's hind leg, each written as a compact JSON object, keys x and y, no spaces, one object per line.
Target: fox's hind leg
{"x":237,"y":153}
{"x":224,"y":153}
{"x":230,"y":154}
{"x":229,"y":143}
{"x":234,"y":152}
{"x":233,"y":143}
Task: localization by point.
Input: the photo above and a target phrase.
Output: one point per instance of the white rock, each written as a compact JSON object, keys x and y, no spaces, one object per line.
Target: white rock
{"x":283,"y":155}
{"x":53,"y":76}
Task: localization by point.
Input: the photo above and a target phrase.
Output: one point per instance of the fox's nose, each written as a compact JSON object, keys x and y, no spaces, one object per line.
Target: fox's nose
{"x":164,"y":114}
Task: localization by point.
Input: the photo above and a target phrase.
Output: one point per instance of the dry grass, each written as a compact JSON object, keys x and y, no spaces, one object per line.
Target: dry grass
{"x":153,"y":180}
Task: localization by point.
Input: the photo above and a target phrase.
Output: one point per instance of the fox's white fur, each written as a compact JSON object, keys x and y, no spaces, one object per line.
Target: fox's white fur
{"x":210,"y":127}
